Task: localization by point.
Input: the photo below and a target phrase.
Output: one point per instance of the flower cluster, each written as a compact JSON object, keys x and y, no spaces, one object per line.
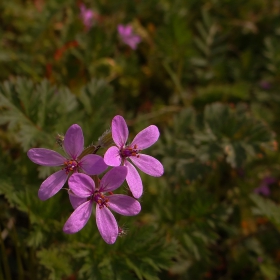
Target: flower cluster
{"x":82,"y":168}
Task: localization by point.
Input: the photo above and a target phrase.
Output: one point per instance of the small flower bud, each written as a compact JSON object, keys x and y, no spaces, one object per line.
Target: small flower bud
{"x":59,"y":139}
{"x":89,"y":150}
{"x":106,"y":139}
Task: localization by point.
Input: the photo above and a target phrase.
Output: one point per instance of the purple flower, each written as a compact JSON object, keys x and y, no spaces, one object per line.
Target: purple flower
{"x":128,"y":37}
{"x":85,"y":194}
{"x":73,"y":145}
{"x":87,"y":16}
{"x":116,"y":156}
{"x":264,"y":186}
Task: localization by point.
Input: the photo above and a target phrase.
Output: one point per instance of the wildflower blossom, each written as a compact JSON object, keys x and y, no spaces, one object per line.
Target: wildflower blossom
{"x":87,"y":15}
{"x":84,"y":189}
{"x":73,"y":145}
{"x":122,"y":153}
{"x":128,"y":37}
{"x":264,"y":186}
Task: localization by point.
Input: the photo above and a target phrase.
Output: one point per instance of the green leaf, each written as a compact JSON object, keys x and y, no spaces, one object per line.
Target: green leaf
{"x":56,"y":262}
{"x":267,"y":208}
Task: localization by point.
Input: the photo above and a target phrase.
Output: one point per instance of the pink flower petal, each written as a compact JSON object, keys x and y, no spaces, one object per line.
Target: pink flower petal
{"x":106,"y":224}
{"x":120,"y":28}
{"x":52,"y":185}
{"x":146,"y":138}
{"x":113,"y":179}
{"x":124,"y":30}
{"x":112,"y":156}
{"x":75,"y":200}
{"x":124,"y":204}
{"x":93,"y":164}
{"x":119,"y":131}
{"x":81,"y":185}
{"x":148,"y":165}
{"x":134,"y":180}
{"x":82,"y":8}
{"x":78,"y":218}
{"x":132,"y":42}
{"x":74,"y":141}
{"x":45,"y":157}
{"x":128,"y":37}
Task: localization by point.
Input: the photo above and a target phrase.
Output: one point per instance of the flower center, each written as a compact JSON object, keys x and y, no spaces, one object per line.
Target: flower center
{"x":129,"y":151}
{"x":100,"y":199}
{"x":70,"y":166}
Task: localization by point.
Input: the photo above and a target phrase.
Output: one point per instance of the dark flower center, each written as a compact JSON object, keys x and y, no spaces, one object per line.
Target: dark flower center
{"x":100,"y":199}
{"x":70,"y":166}
{"x":129,"y":151}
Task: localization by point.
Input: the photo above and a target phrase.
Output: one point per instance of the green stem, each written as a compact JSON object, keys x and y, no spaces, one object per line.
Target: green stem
{"x":175,"y":81}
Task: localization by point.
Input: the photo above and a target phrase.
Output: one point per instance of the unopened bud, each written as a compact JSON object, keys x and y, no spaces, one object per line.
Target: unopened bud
{"x":106,"y":139}
{"x":59,"y":140}
{"x":89,"y":150}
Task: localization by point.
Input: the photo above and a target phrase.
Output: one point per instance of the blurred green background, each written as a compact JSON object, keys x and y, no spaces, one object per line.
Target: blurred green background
{"x":206,"y":73}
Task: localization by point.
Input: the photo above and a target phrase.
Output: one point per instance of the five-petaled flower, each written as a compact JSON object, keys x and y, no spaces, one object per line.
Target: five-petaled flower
{"x":83,"y":194}
{"x":73,"y":145}
{"x":119,"y":155}
{"x":128,"y":37}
